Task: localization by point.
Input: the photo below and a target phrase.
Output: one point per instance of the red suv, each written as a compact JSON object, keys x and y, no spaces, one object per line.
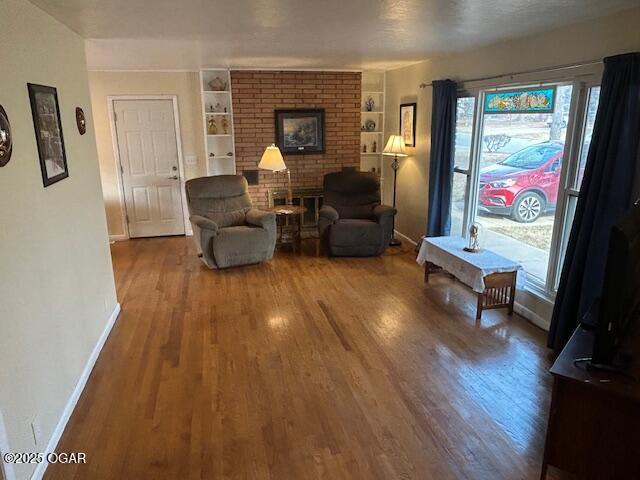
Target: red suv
{"x":525,"y":184}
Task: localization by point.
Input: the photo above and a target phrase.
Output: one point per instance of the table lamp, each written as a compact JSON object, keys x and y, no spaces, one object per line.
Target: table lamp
{"x":272,"y":160}
{"x":395,"y":146}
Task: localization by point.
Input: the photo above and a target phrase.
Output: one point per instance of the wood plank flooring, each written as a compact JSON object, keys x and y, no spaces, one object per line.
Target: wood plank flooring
{"x":306,"y":368}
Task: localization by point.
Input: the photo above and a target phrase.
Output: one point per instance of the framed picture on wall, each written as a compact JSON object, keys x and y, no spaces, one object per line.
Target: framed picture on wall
{"x":300,"y":131}
{"x":408,"y":123}
{"x":48,"y":128}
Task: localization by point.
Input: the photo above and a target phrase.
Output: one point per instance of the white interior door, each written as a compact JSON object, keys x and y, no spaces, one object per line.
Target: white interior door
{"x":146,"y":136}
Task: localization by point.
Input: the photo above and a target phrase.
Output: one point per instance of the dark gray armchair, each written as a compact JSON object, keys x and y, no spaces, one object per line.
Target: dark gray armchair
{"x":352,"y":222}
{"x":227,"y":230}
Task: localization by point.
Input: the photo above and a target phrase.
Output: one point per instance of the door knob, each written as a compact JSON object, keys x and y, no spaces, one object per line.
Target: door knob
{"x":175,"y":177}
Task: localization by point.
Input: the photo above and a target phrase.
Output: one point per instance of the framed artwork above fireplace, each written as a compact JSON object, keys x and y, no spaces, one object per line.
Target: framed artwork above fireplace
{"x":300,"y":131}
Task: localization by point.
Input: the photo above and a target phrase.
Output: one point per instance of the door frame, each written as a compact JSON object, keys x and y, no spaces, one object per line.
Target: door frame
{"x":118,"y":165}
{"x":7,"y":471}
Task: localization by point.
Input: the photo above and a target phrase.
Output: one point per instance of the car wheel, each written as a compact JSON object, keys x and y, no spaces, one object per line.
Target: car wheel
{"x":528,"y":207}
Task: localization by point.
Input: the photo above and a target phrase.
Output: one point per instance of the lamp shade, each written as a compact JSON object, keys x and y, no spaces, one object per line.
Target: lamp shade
{"x":395,"y":146}
{"x":272,"y":160}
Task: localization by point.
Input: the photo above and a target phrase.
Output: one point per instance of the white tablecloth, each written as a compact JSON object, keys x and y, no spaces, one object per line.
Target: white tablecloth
{"x":470,"y":268}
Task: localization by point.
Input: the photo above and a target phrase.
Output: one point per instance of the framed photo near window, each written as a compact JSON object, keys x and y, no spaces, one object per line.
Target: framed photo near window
{"x":300,"y":131}
{"x":408,"y":123}
{"x":48,"y":128}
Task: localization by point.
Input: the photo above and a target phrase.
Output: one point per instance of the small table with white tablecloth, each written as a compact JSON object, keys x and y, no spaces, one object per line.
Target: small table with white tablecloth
{"x":493,"y":277}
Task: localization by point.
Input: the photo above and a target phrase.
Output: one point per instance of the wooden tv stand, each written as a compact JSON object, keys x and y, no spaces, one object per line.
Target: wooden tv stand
{"x":594,"y":422}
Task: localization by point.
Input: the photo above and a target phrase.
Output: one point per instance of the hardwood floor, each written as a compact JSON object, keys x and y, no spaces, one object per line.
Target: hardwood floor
{"x":303,"y":368}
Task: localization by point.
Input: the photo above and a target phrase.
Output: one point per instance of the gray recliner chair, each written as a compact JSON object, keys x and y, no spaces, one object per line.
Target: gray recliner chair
{"x":352,"y":222}
{"x":227,"y":230}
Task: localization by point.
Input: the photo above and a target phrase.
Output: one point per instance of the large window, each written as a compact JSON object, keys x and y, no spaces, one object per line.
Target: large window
{"x":519,"y":161}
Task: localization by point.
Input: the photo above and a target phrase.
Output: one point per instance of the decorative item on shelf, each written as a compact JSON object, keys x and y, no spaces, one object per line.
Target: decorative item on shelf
{"x":218,"y":108}
{"x":81,"y":121}
{"x":369,"y":104}
{"x":45,"y":111}
{"x":370,"y":125}
{"x":272,"y":160}
{"x":374,"y":147}
{"x":364,"y":149}
{"x":212,"y":109}
{"x":362,"y":129}
{"x":217,"y":85}
{"x":395,"y":147}
{"x":225,"y":109}
{"x":225,"y":126}
{"x":229,"y":154}
{"x":6,"y":140}
{"x":474,"y":233}
{"x":212,"y":128}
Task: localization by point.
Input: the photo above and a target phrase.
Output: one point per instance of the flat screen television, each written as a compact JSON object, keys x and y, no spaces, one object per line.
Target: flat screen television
{"x":619,"y":304}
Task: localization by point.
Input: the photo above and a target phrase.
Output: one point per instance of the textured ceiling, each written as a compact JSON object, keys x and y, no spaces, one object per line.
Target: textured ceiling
{"x":349,"y":34}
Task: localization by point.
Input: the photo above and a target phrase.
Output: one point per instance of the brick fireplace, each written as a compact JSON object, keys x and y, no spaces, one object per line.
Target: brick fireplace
{"x":256,"y":94}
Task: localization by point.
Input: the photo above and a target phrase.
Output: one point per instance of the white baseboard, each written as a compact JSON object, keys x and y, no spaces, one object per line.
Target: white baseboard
{"x":406,"y":239}
{"x":75,"y":395}
{"x":118,"y":238}
{"x":6,"y":469}
{"x":530,"y":315}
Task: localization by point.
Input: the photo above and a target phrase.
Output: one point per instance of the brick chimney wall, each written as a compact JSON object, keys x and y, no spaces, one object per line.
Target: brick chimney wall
{"x":256,"y":94}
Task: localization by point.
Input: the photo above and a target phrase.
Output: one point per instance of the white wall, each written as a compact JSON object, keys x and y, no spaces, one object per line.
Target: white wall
{"x":185,"y":85}
{"x":56,"y":282}
{"x":585,"y":41}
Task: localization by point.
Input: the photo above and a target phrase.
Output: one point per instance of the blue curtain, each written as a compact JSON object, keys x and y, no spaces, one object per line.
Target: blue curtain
{"x":443,"y":131}
{"x":604,"y":196}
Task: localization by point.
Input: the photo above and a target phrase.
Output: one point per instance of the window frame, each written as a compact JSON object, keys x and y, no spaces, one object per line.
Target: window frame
{"x":469,"y":172}
{"x":567,"y":189}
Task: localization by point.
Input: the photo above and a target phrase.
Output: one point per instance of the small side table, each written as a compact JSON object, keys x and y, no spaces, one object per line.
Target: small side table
{"x":493,"y":277}
{"x":289,"y":221}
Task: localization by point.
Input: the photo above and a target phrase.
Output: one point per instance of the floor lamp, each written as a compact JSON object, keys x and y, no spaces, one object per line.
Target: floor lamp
{"x":395,"y":146}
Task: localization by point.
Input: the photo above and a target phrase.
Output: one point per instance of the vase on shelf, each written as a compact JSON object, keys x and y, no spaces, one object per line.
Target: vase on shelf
{"x":212,"y":128}
{"x":369,"y":104}
{"x":217,"y":85}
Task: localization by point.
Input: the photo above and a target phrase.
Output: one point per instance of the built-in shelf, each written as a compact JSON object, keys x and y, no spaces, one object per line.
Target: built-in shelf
{"x":373,"y":85}
{"x":218,"y":100}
